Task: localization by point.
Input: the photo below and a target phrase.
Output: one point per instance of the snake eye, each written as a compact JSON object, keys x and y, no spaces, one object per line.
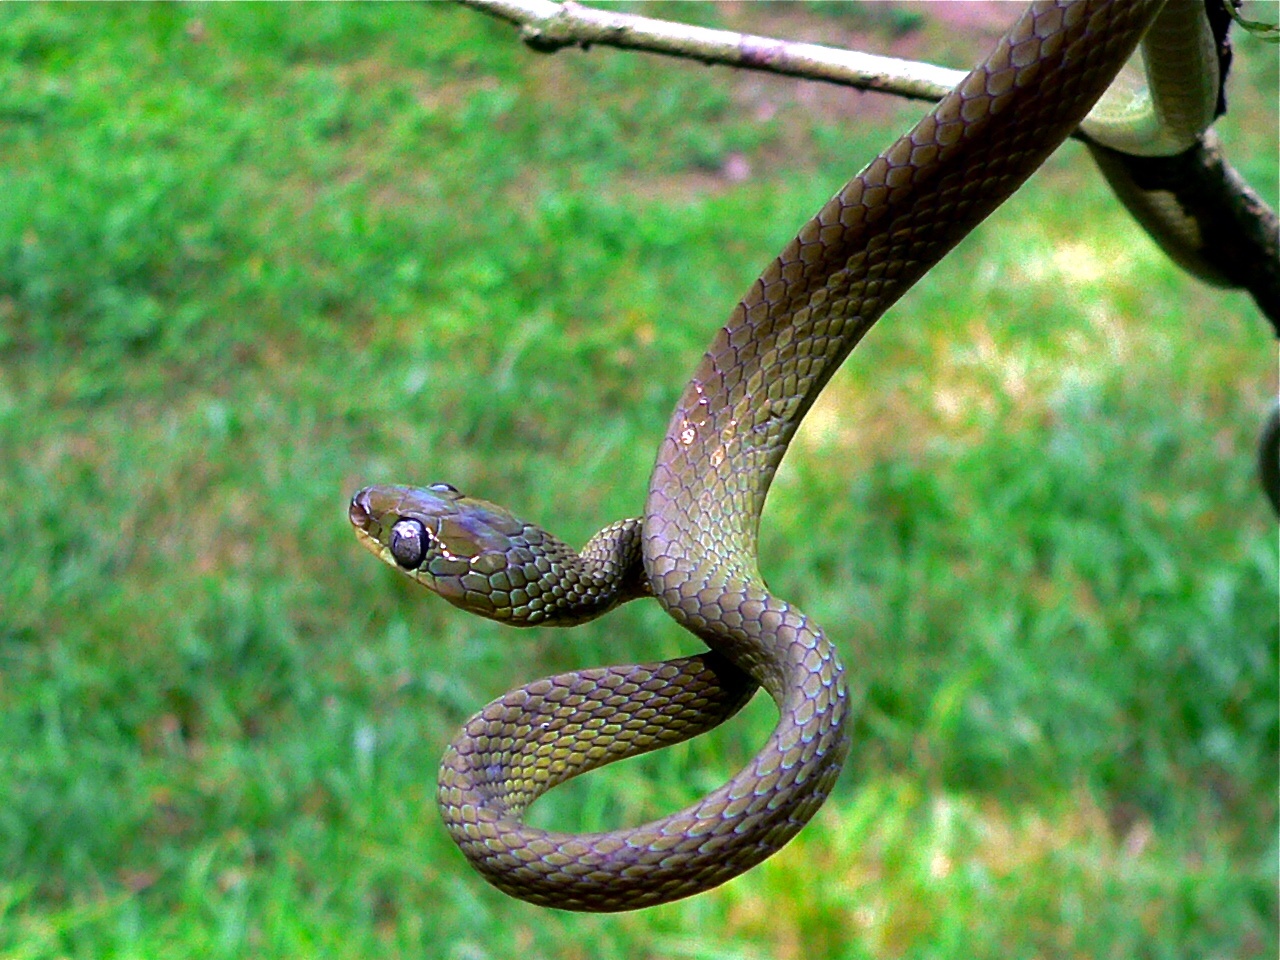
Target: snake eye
{"x":408,"y":543}
{"x":443,"y":488}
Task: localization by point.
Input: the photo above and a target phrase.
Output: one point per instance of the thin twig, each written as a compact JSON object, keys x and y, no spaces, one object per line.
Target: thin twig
{"x":547,"y":26}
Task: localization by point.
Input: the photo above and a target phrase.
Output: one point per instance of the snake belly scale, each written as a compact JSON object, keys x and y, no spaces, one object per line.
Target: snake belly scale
{"x":694,"y":550}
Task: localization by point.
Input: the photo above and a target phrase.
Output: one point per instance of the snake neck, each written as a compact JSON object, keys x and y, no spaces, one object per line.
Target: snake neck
{"x":577,"y":586}
{"x":858,"y":255}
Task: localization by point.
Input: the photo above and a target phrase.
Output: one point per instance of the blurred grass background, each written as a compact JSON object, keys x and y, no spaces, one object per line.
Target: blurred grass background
{"x":252,"y":258}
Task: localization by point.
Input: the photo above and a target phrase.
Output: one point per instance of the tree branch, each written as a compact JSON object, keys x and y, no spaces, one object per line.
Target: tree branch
{"x":547,"y":26}
{"x":1235,"y":237}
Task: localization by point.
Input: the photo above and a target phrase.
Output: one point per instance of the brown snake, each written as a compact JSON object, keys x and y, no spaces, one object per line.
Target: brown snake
{"x":695,"y":549}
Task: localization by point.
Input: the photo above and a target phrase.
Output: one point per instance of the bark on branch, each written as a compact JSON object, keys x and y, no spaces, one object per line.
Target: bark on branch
{"x":547,"y":26}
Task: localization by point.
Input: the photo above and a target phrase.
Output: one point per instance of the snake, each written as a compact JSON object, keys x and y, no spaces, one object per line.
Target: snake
{"x":694,"y":549}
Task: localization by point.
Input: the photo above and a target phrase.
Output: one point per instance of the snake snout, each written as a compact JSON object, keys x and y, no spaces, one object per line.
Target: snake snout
{"x":360,"y":513}
{"x":374,"y":510}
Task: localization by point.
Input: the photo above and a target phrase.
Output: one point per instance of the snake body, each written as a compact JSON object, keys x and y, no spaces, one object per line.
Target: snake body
{"x":695,"y":549}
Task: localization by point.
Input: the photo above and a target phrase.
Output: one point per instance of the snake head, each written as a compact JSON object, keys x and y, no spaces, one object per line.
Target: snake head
{"x":473,"y":553}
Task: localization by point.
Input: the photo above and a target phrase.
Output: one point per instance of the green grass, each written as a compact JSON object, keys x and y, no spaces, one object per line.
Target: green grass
{"x":253,"y":258}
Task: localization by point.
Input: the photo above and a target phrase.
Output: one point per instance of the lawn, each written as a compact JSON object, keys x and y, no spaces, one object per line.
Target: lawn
{"x":252,"y":258}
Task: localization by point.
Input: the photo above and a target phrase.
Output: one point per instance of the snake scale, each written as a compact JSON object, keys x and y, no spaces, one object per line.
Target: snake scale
{"x":694,"y":550}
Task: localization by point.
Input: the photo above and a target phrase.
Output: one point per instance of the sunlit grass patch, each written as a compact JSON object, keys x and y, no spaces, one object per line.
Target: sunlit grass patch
{"x":899,"y":863}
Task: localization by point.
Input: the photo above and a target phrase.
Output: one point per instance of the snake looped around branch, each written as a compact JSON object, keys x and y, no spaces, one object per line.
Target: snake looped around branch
{"x":694,"y":550}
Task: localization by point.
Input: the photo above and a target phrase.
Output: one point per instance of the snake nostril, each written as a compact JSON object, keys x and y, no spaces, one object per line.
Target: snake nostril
{"x":359,"y":512}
